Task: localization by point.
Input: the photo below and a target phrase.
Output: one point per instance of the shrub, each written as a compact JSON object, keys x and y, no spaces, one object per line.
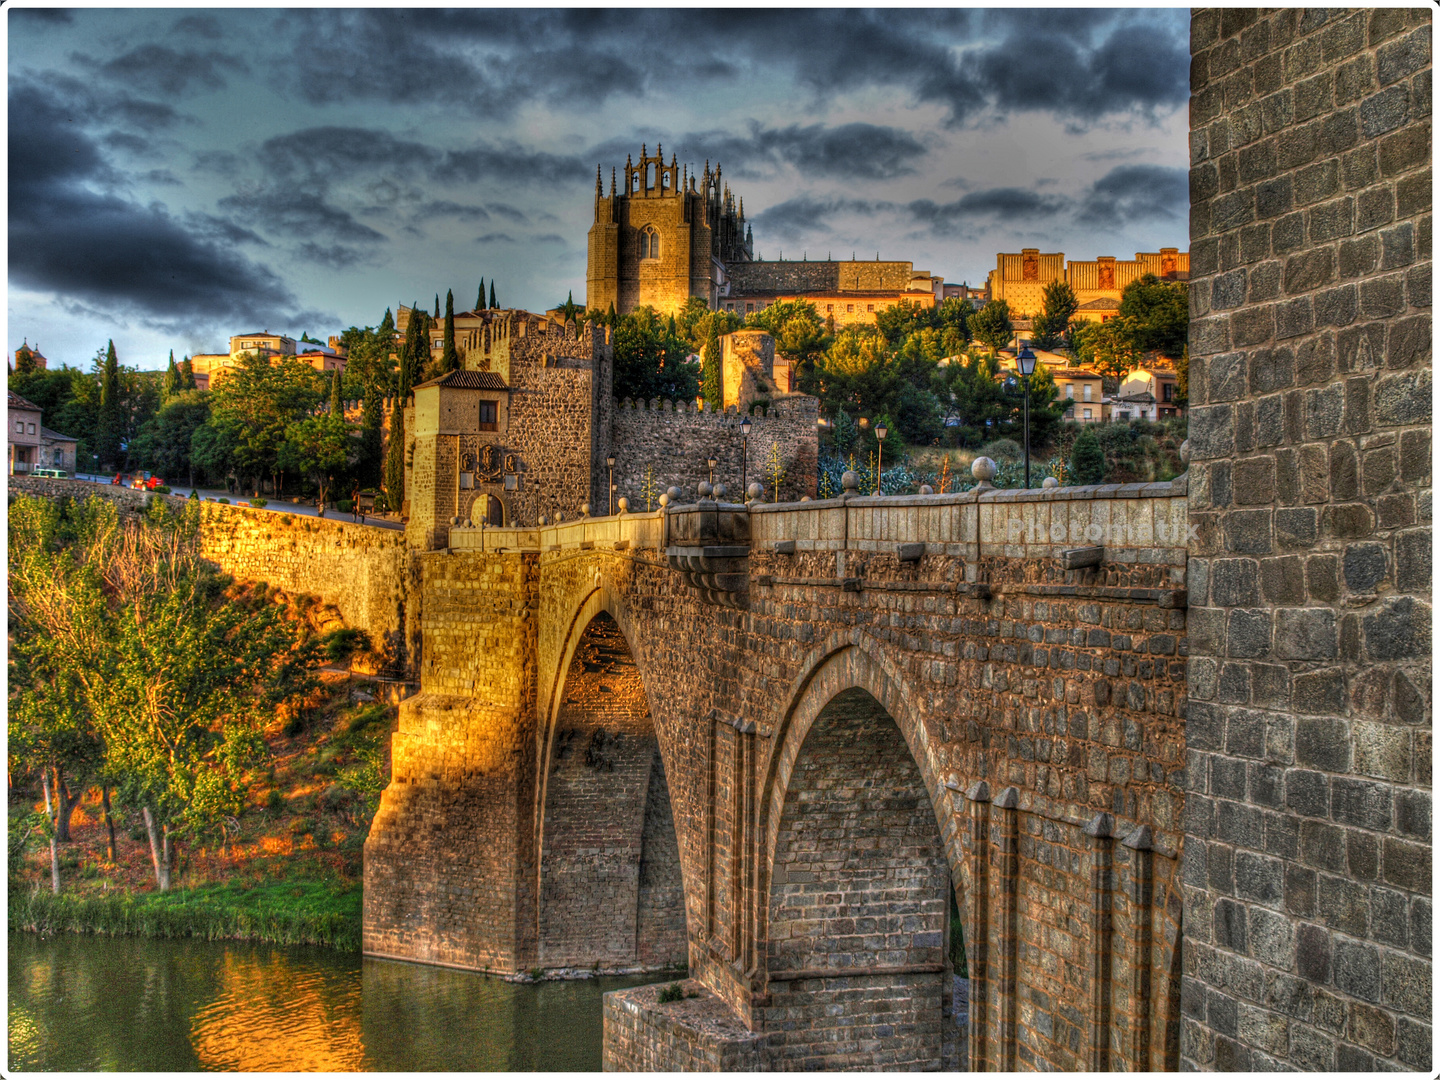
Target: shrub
{"x":1087,"y":460}
{"x":336,"y":798}
{"x":344,"y":506}
{"x":259,"y":503}
{"x":673,"y":992}
{"x":1003,"y":450}
{"x":224,"y":500}
{"x":340,"y":644}
{"x":161,"y":489}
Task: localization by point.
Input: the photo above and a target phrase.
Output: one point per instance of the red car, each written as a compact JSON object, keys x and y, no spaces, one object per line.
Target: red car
{"x":139,"y":481}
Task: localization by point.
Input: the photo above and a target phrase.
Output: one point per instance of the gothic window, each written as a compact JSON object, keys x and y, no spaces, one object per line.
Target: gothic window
{"x":649,"y":243}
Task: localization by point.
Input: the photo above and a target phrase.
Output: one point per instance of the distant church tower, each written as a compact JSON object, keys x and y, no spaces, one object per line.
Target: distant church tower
{"x":653,"y":242}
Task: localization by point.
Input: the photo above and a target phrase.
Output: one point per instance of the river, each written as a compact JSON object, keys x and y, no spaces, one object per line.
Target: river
{"x":83,"y":1003}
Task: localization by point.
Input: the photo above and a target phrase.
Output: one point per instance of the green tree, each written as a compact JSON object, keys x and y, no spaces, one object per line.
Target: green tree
{"x":371,"y":436}
{"x":337,"y":402}
{"x":1087,"y":459}
{"x":991,"y":325}
{"x":493,"y":305}
{"x":798,"y":330}
{"x":480,"y":297}
{"x":449,"y":356}
{"x":170,"y":386}
{"x":710,"y":381}
{"x":1059,"y":306}
{"x":413,"y":355}
{"x":570,"y":311}
{"x":250,"y":409}
{"x":165,"y":440}
{"x":319,"y":447}
{"x":111,"y":421}
{"x":1110,"y":348}
{"x":1158,"y":313}
{"x":177,"y":678}
{"x":24,"y":360}
{"x":1182,"y":380}
{"x":652,"y":360}
{"x":187,"y":375}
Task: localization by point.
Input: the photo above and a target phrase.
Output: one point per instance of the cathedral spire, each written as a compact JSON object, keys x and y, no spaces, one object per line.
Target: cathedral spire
{"x":612,"y":181}
{"x":599,"y":183}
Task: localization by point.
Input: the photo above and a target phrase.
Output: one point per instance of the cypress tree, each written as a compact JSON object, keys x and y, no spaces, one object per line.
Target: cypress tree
{"x":371,"y":438}
{"x":493,"y":304}
{"x":170,"y":384}
{"x":437,"y":305}
{"x":480,"y":297}
{"x":109,"y":424}
{"x":25,"y":360}
{"x":337,"y":406}
{"x":187,"y":375}
{"x":710,"y":367}
{"x":450,"y":357}
{"x":1087,"y":459}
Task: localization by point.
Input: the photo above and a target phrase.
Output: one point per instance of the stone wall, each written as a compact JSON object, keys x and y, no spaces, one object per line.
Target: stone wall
{"x":363,"y":570}
{"x":1308,"y":835}
{"x":764,"y":278}
{"x":747,"y":367}
{"x":673,"y":440}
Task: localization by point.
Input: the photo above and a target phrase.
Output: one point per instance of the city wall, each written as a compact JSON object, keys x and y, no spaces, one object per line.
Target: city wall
{"x":1308,"y":846}
{"x":668,"y":443}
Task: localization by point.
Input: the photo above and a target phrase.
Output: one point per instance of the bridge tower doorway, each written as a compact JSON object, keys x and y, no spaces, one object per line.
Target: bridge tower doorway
{"x":490,"y":510}
{"x":859,"y":904}
{"x":610,"y":885}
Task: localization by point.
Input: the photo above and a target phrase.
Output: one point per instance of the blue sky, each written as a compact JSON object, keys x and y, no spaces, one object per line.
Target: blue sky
{"x":180,"y":175}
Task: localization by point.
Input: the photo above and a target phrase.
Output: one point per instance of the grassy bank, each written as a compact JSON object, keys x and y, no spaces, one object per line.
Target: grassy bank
{"x":284,"y":913}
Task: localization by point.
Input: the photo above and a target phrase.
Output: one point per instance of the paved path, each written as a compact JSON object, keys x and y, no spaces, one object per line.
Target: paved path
{"x":278,"y":506}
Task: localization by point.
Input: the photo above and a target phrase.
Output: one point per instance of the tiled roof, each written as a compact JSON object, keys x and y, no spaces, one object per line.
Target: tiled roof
{"x":17,"y":402}
{"x":56,"y":435}
{"x":469,"y":380}
{"x":1104,"y":303}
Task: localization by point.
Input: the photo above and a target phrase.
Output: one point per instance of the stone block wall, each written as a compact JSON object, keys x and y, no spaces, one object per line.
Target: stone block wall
{"x":674,"y":440}
{"x":1308,"y":826}
{"x":363,"y":571}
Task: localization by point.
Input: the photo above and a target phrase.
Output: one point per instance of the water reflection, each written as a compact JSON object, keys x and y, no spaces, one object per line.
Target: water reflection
{"x":93,"y":1003}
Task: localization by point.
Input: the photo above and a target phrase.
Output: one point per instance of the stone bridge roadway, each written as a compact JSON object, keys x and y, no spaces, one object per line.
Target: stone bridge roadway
{"x":774,"y":746}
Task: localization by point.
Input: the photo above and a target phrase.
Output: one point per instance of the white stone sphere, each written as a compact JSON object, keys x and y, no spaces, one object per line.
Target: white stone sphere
{"x":983,"y":469}
{"x":754,"y":491}
{"x":926,"y":489}
{"x":705,"y":488}
{"x":665,"y":500}
{"x":1185,"y":451}
{"x":720,"y":490}
{"x":849,"y":481}
{"x":622,"y":504}
{"x":674,"y":493}
{"x":1050,"y":482}
{"x":584,"y":509}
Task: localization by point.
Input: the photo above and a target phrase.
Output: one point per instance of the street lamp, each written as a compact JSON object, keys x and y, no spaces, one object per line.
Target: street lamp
{"x":711,"y":462}
{"x":1025,"y":361}
{"x":880,"y":432}
{"x":610,"y":465}
{"x":744,"y":453}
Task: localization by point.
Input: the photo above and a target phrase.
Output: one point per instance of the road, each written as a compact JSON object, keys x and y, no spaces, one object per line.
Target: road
{"x":285,"y":507}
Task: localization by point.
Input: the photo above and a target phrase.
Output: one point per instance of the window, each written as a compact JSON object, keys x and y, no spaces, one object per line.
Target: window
{"x":1070,"y":413}
{"x":869,"y":307}
{"x":1087,"y":414}
{"x":829,"y":308}
{"x":649,"y":243}
{"x":1169,"y":394}
{"x":1070,"y":391}
{"x":749,"y":307}
{"x":850,"y":308}
{"x":439,"y":343}
{"x":1088,"y":390}
{"x":32,"y":429}
{"x":487,"y":417}
{"x":19,"y":427}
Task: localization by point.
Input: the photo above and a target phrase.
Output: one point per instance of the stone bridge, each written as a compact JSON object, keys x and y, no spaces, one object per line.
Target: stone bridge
{"x":779,"y":746}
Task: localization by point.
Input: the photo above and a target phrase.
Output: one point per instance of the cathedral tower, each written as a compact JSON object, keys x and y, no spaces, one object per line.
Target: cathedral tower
{"x":656,"y":240}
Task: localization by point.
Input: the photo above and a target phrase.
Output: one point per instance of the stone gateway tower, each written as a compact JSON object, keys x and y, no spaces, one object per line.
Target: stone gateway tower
{"x":657,"y":241}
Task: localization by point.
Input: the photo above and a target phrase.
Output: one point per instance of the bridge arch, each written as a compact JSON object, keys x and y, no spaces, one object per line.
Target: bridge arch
{"x":858,"y":872}
{"x":609,"y":886}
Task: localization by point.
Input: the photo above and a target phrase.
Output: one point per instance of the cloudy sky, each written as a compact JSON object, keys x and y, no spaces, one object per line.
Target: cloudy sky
{"x":177,"y":175}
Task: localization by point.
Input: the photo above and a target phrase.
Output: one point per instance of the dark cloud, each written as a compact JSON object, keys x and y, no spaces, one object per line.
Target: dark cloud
{"x":204,"y":26}
{"x":90,"y":104}
{"x":505,"y":210}
{"x":444,"y":208}
{"x":806,"y":215}
{"x":158,"y":69}
{"x":289,"y":211}
{"x":495,"y":238}
{"x":42,"y":16}
{"x":105,"y":252}
{"x":1083,"y":65}
{"x":550,"y":238}
{"x":1131,"y":192}
{"x":855,"y":151}
{"x":993,"y":205}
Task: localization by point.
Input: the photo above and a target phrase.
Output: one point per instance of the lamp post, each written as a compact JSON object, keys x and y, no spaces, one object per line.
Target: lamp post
{"x":744,"y":454}
{"x":712,"y":462}
{"x":610,"y":465}
{"x":880,"y":432}
{"x":1025,"y":361}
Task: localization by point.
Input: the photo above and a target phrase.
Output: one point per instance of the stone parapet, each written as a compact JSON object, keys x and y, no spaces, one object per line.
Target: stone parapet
{"x":694,"y":1034}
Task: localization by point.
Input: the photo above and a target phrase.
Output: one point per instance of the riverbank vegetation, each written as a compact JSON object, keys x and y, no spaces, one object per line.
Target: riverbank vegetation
{"x":180,"y":763}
